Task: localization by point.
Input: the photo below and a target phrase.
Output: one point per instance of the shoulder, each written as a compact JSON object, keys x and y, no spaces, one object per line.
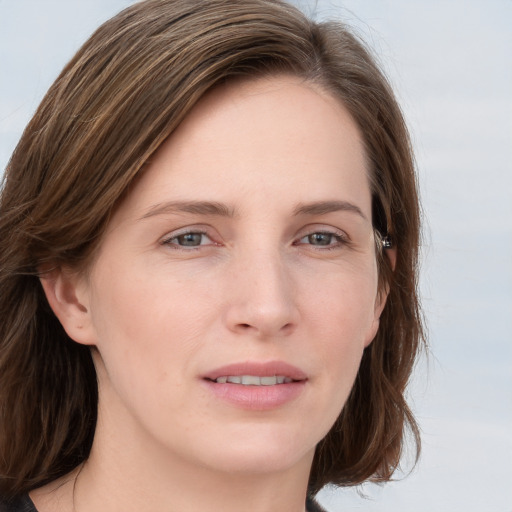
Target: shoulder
{"x":19,"y":504}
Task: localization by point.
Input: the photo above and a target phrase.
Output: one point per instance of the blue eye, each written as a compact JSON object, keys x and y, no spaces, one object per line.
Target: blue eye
{"x":191,"y":239}
{"x":322,"y":239}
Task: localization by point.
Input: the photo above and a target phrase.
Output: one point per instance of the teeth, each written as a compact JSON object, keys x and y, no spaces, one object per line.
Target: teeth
{"x":251,"y":380}
{"x":254,"y":380}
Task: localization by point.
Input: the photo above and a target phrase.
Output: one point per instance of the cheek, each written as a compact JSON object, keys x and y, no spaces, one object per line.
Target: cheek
{"x":340,"y":341}
{"x":342,"y":303}
{"x":342,"y":320}
{"x":148,"y":325}
{"x":131,"y":326}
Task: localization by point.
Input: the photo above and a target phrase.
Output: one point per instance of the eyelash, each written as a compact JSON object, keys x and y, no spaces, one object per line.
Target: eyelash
{"x":174,"y":236}
{"x":340,"y":238}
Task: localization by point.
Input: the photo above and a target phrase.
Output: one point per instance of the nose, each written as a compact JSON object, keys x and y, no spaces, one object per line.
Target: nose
{"x":262,"y":302}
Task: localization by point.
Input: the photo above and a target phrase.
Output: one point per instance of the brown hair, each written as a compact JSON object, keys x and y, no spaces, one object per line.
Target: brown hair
{"x":119,"y":98}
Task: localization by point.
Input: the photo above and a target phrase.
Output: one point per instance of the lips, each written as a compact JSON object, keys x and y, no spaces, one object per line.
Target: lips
{"x":257,"y":369}
{"x":256,"y":386}
{"x":254,"y":380}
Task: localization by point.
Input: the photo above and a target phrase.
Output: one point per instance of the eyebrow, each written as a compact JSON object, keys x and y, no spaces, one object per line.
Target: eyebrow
{"x":194,"y":207}
{"x":223,"y":210}
{"x":324,"y":207}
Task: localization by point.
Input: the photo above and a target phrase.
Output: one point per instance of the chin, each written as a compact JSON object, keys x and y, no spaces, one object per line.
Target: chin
{"x":260,"y":449}
{"x":263,"y":462}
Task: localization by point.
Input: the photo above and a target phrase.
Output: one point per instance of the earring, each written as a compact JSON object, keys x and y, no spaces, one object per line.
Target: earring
{"x":386,"y":242}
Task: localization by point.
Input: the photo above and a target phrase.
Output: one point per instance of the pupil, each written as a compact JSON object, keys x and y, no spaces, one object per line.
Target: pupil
{"x":320,"y":239}
{"x":190,"y":239}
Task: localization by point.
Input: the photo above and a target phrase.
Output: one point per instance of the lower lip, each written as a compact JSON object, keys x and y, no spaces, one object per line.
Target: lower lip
{"x":256,"y":398}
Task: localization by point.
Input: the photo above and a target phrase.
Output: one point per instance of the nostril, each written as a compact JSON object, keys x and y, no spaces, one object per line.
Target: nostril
{"x":285,"y":329}
{"x":288,"y":327}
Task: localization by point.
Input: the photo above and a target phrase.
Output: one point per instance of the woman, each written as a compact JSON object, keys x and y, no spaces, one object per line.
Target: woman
{"x":209,"y":239}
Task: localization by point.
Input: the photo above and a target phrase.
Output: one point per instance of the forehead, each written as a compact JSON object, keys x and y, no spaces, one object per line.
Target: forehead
{"x":269,"y":139}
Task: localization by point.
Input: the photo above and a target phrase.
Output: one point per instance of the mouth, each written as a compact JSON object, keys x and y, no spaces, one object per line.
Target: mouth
{"x":256,"y":386}
{"x":253,"y":380}
{"x":254,"y":373}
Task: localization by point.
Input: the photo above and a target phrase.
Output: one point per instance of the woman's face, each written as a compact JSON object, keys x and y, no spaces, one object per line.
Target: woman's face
{"x":245,"y":253}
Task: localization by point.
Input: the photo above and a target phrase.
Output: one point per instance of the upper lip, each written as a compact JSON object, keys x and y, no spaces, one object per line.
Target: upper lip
{"x":261,"y":369}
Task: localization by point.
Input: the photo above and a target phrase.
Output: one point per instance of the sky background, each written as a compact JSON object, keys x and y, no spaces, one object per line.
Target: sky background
{"x":450,"y":62}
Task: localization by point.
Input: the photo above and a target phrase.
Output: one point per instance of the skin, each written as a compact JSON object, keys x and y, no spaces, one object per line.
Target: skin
{"x":260,"y":281}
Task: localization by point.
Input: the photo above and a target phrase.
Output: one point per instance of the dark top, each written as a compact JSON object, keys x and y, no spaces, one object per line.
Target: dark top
{"x":313,"y":506}
{"x":20,"y":504}
{"x":24,"y":504}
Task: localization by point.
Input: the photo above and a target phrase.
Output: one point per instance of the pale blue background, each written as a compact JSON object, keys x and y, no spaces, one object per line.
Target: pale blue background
{"x":451,"y":65}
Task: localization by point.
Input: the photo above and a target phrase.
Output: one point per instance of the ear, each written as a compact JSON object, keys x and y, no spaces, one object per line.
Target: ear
{"x":67,"y":293}
{"x":382,"y":297}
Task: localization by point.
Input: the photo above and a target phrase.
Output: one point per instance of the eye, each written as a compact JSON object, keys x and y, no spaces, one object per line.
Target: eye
{"x":318,"y":239}
{"x":189,"y":239}
{"x":323,"y":239}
